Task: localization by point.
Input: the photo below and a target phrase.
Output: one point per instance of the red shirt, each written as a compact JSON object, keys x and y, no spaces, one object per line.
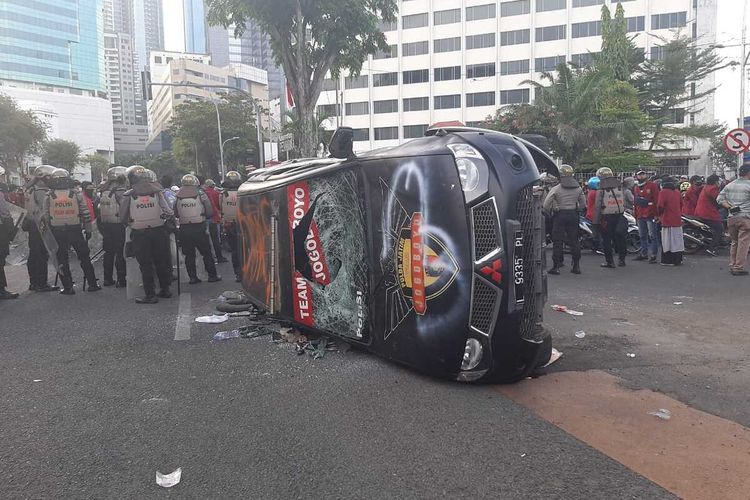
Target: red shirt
{"x":213,"y":196}
{"x":669,"y":208}
{"x":706,"y":207}
{"x":690,"y":200}
{"x":649,"y":191}
{"x":90,"y":205}
{"x":590,"y":203}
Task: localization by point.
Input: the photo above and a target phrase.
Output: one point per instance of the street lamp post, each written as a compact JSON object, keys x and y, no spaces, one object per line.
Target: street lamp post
{"x":743,"y":77}
{"x":221,"y":151}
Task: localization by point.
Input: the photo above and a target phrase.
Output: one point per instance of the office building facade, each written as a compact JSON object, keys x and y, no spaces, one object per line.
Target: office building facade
{"x":462,"y":60}
{"x":186,"y":30}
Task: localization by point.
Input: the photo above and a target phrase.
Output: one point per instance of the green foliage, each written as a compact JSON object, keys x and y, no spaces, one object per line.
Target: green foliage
{"x":673,"y":82}
{"x":61,"y":154}
{"x":162,"y":163}
{"x":99,"y":165}
{"x":310,"y":39}
{"x":195,"y":135}
{"x":620,"y":161}
{"x":720,"y":157}
{"x":295,"y":127}
{"x":21,"y":133}
{"x":617,"y":48}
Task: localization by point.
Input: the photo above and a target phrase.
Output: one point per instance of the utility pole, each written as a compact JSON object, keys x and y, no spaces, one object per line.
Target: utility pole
{"x":221,"y":143}
{"x":743,"y":77}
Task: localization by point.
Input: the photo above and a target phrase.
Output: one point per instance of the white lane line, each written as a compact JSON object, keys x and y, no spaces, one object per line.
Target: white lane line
{"x":184,"y":318}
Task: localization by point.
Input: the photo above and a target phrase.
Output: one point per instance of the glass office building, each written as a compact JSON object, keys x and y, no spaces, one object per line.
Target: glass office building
{"x":55,"y":43}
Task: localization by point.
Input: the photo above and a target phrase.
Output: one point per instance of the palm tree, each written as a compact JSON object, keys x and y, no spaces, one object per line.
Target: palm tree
{"x":295,"y":126}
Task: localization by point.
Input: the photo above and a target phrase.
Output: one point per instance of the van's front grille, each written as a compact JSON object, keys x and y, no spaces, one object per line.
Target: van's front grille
{"x":485,"y":227}
{"x":528,"y":213}
{"x":483,"y":302}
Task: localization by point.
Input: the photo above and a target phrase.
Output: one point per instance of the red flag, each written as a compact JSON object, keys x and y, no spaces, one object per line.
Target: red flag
{"x":289,"y":96}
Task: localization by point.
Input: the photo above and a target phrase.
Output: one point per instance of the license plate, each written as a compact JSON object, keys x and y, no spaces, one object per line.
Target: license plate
{"x":518,"y":267}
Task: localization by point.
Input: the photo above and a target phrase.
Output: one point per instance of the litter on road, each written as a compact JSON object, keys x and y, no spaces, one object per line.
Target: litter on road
{"x":246,"y":332}
{"x":554,"y":357}
{"x":168,"y":480}
{"x":566,"y":310}
{"x":661,"y":413}
{"x":214,"y":318}
{"x":580,"y":334}
{"x":37,"y":380}
{"x":630,"y":355}
{"x":678,"y":303}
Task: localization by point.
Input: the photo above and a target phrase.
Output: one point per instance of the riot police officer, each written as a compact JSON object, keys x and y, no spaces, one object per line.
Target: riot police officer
{"x":113,"y":231}
{"x":7,"y":233}
{"x":67,"y":212}
{"x":192,"y":208}
{"x":145,"y":210}
{"x":611,"y":198}
{"x":34,"y":196}
{"x":564,"y":201}
{"x":231,"y":184}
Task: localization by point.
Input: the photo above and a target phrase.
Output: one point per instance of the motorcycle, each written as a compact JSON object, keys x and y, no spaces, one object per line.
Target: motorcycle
{"x":591,"y":241}
{"x":698,"y":235}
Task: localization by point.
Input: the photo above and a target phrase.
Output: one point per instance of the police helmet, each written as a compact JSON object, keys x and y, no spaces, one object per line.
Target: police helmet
{"x":604,"y":172}
{"x":60,"y":173}
{"x":233,"y":176}
{"x":149,"y":175}
{"x":189,"y":180}
{"x":118,"y":173}
{"x":566,"y":171}
{"x":2,"y":171}
{"x":210,"y":183}
{"x":43,"y":171}
{"x":593,"y":183}
{"x":135,"y":173}
{"x":684,"y":186}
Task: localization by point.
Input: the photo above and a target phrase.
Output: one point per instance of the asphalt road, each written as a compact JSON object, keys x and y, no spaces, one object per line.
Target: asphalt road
{"x":97,"y":395}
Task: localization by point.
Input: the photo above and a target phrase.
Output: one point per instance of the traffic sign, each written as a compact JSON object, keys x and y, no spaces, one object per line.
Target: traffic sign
{"x":737,"y":141}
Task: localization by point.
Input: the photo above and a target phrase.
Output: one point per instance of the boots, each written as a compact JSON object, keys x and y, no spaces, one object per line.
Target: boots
{"x":576,"y":268}
{"x":621,"y":262}
{"x":555,"y":270}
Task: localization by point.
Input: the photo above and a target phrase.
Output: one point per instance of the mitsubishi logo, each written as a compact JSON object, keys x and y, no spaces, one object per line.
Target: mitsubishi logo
{"x":492,"y":271}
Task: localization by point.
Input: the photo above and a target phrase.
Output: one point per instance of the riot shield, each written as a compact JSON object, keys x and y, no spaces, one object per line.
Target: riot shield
{"x":133,"y":278}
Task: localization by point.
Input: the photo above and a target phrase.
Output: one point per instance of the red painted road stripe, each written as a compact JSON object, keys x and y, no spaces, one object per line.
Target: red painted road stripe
{"x":694,"y":455}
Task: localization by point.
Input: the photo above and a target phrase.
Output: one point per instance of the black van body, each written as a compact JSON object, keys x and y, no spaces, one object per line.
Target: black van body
{"x":428,"y":254}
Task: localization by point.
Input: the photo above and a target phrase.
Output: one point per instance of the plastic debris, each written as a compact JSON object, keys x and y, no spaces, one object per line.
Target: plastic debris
{"x":316,"y":348}
{"x":37,"y":380}
{"x":580,"y":334}
{"x":661,"y":413}
{"x":566,"y":310}
{"x":630,"y":355}
{"x":214,"y":318}
{"x":678,"y":303}
{"x":168,"y":480}
{"x":554,"y":357}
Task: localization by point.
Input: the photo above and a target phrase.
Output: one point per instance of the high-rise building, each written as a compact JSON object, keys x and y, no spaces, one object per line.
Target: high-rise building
{"x":52,"y":63}
{"x":186,"y":31}
{"x":253,"y":47}
{"x":148,"y":29}
{"x":463,"y":60}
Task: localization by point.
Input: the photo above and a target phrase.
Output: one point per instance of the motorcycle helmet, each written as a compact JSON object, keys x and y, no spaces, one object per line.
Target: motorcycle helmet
{"x":593,"y":183}
{"x":566,"y":171}
{"x":232,"y":179}
{"x":150,"y":175}
{"x":43,"y":171}
{"x":604,"y":172}
{"x":189,"y":180}
{"x":118,"y":173}
{"x":135,"y":173}
{"x":210,"y":183}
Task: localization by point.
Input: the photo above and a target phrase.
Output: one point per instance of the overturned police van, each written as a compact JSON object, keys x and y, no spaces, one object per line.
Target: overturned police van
{"x":428,"y":253}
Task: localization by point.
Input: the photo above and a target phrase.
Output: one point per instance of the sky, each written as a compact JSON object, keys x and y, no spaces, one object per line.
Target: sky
{"x":728,"y":32}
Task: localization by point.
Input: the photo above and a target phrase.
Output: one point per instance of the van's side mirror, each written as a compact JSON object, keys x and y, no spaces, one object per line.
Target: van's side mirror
{"x":342,"y":143}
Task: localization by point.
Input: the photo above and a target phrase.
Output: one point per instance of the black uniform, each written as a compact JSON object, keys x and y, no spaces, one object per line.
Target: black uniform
{"x":37,"y":262}
{"x":146,"y":211}
{"x":191,"y":210}
{"x":113,"y":234}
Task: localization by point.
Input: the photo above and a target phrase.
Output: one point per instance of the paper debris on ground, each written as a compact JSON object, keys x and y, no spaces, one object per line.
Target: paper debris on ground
{"x":580,"y":334}
{"x":168,"y":480}
{"x":566,"y":310}
{"x":678,"y":303}
{"x":661,"y":413}
{"x":630,"y":355}
{"x":554,"y":357}
{"x":214,"y":318}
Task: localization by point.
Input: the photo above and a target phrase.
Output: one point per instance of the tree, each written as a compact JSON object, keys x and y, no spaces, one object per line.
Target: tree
{"x":162,"y":164}
{"x":99,"y":166}
{"x":294,"y":126}
{"x":195,"y":134}
{"x":309,"y":39}
{"x":61,"y":154}
{"x":672,"y":86}
{"x":720,"y":157}
{"x":21,"y":133}
{"x":619,"y":56}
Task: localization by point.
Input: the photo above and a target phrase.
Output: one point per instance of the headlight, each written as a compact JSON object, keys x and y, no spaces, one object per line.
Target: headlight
{"x":468,"y":172}
{"x":472,"y":355}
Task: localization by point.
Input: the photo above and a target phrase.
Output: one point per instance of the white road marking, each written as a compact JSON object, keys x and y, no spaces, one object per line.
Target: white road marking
{"x":184,"y":318}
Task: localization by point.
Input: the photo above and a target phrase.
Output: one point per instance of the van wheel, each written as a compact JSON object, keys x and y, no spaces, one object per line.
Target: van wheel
{"x":545,"y":352}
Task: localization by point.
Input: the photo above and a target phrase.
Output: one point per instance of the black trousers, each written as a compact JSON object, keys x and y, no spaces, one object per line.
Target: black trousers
{"x":717,"y":232}
{"x":614,"y":232}
{"x":151,"y":248}
{"x":73,"y":237}
{"x":233,"y":240}
{"x":113,"y":243}
{"x":214,"y":229}
{"x":192,"y":237}
{"x":565,"y":228}
{"x":3,"y":279}
{"x":36,"y":264}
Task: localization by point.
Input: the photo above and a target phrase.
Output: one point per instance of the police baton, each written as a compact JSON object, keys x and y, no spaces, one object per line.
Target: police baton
{"x":177,"y":256}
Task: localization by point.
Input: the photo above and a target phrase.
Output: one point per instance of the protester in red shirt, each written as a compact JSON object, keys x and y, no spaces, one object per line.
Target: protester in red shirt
{"x":690,"y":200}
{"x":707,"y":210}
{"x":646,"y":195}
{"x":214,"y":225}
{"x":670,"y":216}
